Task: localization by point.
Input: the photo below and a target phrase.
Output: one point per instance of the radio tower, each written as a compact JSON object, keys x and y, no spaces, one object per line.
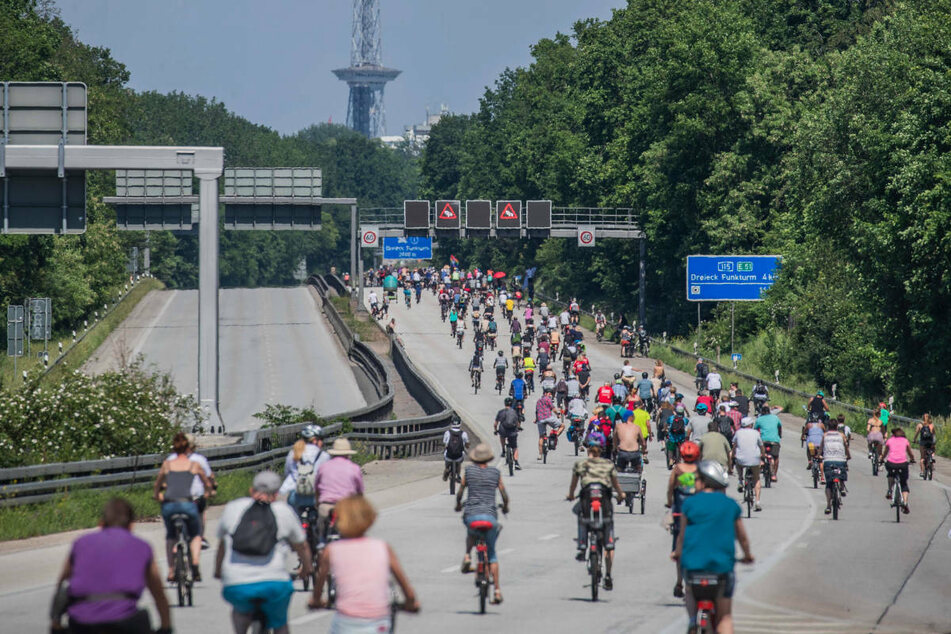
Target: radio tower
{"x":366,"y":75}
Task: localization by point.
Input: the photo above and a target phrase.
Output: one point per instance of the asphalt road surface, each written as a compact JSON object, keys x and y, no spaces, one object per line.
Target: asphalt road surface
{"x":863,"y":573}
{"x":274,"y":347}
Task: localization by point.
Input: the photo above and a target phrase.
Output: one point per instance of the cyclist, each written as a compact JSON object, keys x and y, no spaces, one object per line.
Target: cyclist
{"x":337,"y":478}
{"x":251,"y":564}
{"x":812,"y":433}
{"x":760,"y":394}
{"x":517,"y":392}
{"x":544,"y":418}
{"x":748,"y":453}
{"x":507,"y":426}
{"x":702,"y":370}
{"x":548,"y":381}
{"x":771,"y":429}
{"x":304,"y":458}
{"x":177,"y":475}
{"x":897,"y":455}
{"x":528,"y":365}
{"x":577,"y":416}
{"x":628,"y":375}
{"x":818,"y":407}
{"x":455,"y":440}
{"x":676,"y":432}
{"x":198,"y":489}
{"x":680,"y":485}
{"x":596,"y":470}
{"x":500,"y":364}
{"x":707,"y":513}
{"x":374,"y":302}
{"x":631,"y":444}
{"x":619,"y":391}
{"x":361,"y":568}
{"x":561,"y":393}
{"x":600,"y":321}
{"x":453,"y":321}
{"x":835,"y":454}
{"x":715,"y":446}
{"x":873,"y":433}
{"x":646,"y":392}
{"x":584,"y":383}
{"x":482,"y":481}
{"x":107,"y":571}
{"x":475,"y":365}
{"x":605,"y":394}
{"x":926,"y":439}
{"x":509,"y":307}
{"x":643,"y":420}
{"x":699,"y":423}
{"x":714,"y":384}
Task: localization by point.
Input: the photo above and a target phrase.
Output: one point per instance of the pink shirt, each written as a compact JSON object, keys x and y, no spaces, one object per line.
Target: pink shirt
{"x":337,"y":479}
{"x":361,"y":569}
{"x":897,"y":447}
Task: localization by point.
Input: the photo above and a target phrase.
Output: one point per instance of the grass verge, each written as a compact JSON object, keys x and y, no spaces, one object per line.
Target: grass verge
{"x":80,"y":508}
{"x":359,"y":322}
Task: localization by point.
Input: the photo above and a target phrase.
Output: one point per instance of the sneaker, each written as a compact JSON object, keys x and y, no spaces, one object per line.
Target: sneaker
{"x":579,"y":556}
{"x":608,"y":583}
{"x":808,"y":467}
{"x":466,"y":565}
{"x":445,"y":475}
{"x":679,"y":591}
{"x":204,"y":544}
{"x":888,"y":495}
{"x":828,"y":510}
{"x":739,"y":488}
{"x":538,"y":458}
{"x":905,"y":509}
{"x":774,"y":478}
{"x":758,"y":507}
{"x":518,"y":467}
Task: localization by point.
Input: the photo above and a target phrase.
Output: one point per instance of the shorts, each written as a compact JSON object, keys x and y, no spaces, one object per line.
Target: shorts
{"x":275,"y":596}
{"x":192,"y":524}
{"x":625,"y":458}
{"x":725,"y":587}
{"x":830,"y":468}
{"x":511,"y":438}
{"x":875,"y":436}
{"x":490,"y":536}
{"x":342,"y":624}
{"x":772,"y":449}
{"x":543,"y":426}
{"x":755,"y":469}
{"x":900,"y":471}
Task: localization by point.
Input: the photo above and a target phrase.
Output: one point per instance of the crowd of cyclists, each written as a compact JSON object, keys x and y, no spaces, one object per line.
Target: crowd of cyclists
{"x":314,"y":518}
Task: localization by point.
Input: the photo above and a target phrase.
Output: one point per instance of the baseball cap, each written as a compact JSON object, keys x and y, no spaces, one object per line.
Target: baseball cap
{"x":266,"y":482}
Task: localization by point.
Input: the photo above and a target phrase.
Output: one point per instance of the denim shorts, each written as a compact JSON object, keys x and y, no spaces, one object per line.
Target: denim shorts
{"x":189,"y":508}
{"x":275,"y":596}
{"x":490,"y":535}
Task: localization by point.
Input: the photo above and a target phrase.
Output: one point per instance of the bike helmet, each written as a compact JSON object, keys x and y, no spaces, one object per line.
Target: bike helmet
{"x":680,"y":409}
{"x":643,"y":375}
{"x":746,"y":421}
{"x":617,"y":376}
{"x":501,"y":354}
{"x":689,"y":451}
{"x":713,"y":473}
{"x":518,"y":375}
{"x":508,"y":401}
{"x":311,"y":431}
{"x":595,"y":440}
{"x":456,"y":423}
{"x":701,"y":407}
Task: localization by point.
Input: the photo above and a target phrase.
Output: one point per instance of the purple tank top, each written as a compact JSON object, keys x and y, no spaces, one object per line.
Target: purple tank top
{"x":109,"y":561}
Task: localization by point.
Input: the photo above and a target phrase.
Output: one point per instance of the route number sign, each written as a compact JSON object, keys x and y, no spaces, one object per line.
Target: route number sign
{"x":586,"y":236}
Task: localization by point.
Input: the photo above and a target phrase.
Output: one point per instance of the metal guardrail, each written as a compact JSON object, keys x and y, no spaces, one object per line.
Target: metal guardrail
{"x":368,"y":426}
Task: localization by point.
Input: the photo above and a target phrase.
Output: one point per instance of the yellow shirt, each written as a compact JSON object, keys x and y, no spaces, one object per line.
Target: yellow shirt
{"x":528,"y":363}
{"x":643,"y":420}
{"x":509,"y":304}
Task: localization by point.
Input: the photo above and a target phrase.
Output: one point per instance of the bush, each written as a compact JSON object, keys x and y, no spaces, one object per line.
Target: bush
{"x":130,"y":412}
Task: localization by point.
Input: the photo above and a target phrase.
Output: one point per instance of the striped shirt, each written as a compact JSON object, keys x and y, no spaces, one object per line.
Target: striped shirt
{"x":482,"y":483}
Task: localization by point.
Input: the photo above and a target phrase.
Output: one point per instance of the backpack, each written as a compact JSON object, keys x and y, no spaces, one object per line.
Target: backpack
{"x":305,"y":478}
{"x":926,"y":437}
{"x":703,"y":370}
{"x":678,"y":425}
{"x":256,"y":533}
{"x":725,"y":427}
{"x":455,"y":446}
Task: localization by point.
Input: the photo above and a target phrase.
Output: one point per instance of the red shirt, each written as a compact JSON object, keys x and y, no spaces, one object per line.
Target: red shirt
{"x":708,"y":401}
{"x":605,"y":394}
{"x":580,"y":364}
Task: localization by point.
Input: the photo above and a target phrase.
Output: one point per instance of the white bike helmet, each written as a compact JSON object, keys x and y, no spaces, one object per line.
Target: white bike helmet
{"x":714,"y":474}
{"x":311,"y":431}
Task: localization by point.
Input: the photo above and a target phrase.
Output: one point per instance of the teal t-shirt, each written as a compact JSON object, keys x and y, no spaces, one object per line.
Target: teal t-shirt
{"x":711,"y":532}
{"x":768,"y":427}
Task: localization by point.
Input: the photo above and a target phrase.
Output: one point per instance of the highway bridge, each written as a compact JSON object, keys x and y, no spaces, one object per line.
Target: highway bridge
{"x":863,"y":573}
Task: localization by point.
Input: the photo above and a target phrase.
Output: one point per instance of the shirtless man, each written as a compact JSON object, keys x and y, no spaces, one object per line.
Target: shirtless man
{"x":630,"y":443}
{"x":873,"y":431}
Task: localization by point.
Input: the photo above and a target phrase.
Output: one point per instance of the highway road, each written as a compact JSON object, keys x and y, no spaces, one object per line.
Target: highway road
{"x":274,"y":347}
{"x":861,"y":574}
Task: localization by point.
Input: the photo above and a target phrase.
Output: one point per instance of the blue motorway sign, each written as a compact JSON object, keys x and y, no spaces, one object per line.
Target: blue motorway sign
{"x":407,"y":248}
{"x":736,"y":278}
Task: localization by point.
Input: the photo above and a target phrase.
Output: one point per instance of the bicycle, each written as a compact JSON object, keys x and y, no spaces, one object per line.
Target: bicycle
{"x":481,"y":527}
{"x":551,"y":441}
{"x":182,"y":564}
{"x":453,"y":475}
{"x":705,"y":588}
{"x":576,"y":431}
{"x":835,"y":485}
{"x":873,"y":455}
{"x":259,"y":618}
{"x":595,"y":549}
{"x":768,"y":471}
{"x":460,"y":335}
{"x":749,"y":496}
{"x":897,"y":500}
{"x":634,"y":485}
{"x":928,"y":472}
{"x":816,"y":471}
{"x":476,"y":381}
{"x":499,"y":382}
{"x":309,"y":522}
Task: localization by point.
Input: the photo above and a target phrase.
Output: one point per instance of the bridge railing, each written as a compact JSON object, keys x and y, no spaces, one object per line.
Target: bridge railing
{"x":370,"y":426}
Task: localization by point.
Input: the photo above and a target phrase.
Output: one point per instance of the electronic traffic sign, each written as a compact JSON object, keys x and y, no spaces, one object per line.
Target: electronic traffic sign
{"x":478,"y":214}
{"x":508,"y":214}
{"x":538,"y":214}
{"x":447,"y":214}
{"x":416,"y":214}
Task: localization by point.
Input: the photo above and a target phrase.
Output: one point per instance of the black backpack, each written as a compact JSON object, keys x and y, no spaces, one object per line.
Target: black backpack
{"x":926,"y":437}
{"x":455,"y":447}
{"x":725,"y":427}
{"x":678,"y":425}
{"x":703,"y":370}
{"x":256,"y":533}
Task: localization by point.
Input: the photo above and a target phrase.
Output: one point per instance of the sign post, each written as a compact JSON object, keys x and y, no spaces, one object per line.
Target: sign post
{"x":14,"y":333}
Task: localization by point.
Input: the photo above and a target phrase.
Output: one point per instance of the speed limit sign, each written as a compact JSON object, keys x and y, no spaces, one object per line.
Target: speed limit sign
{"x":586,"y":236}
{"x":369,"y":236}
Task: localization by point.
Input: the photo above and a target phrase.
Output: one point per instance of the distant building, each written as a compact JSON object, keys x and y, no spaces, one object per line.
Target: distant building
{"x":415,"y":136}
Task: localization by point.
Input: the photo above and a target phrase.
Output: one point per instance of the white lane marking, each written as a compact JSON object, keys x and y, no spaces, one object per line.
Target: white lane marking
{"x":545,"y":538}
{"x":449,"y":569}
{"x":506,"y":551}
{"x":151,"y":327}
{"x":312,"y":616}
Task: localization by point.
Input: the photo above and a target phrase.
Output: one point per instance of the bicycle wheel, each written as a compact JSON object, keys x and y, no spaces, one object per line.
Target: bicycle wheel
{"x":875,"y":466}
{"x":896,"y":500}
{"x":748,"y":495}
{"x":544,"y":451}
{"x":331,"y":591}
{"x":643,"y":495}
{"x":510,"y":460}
{"x":452,"y":478}
{"x":483,"y":592}
{"x":835,"y":501}
{"x":767,"y":474}
{"x":180,"y":574}
{"x":815,"y":477}
{"x":594,"y":563}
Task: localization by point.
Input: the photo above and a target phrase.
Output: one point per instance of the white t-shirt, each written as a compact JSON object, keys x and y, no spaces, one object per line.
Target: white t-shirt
{"x":552,"y":322}
{"x":747,"y":443}
{"x":714,"y":382}
{"x":565,"y":317}
{"x":373,"y":298}
{"x":238,"y":569}
{"x":628,"y":371}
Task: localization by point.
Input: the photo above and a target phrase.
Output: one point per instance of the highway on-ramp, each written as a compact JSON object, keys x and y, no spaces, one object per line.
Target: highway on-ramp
{"x":274,"y":347}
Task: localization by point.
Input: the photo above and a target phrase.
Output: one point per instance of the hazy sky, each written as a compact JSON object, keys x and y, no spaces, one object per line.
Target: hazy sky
{"x":270,"y":60}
